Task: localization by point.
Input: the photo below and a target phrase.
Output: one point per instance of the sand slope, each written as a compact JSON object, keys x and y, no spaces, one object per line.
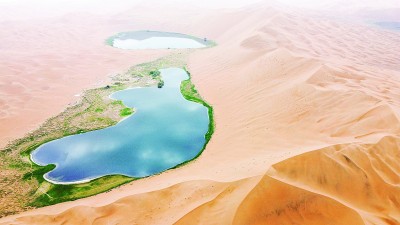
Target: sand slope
{"x":307,"y":130}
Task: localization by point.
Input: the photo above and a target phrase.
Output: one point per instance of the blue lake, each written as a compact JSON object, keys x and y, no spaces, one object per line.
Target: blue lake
{"x":164,"y":131}
{"x":156,"y":40}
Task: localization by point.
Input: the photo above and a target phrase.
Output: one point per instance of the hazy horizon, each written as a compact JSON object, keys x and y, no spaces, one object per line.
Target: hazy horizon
{"x":25,"y":9}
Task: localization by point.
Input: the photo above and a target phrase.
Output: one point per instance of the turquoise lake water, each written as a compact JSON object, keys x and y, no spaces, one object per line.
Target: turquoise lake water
{"x":164,"y":131}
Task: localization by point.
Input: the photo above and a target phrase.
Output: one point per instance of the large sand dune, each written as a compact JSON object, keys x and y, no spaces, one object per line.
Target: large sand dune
{"x":307,"y":117}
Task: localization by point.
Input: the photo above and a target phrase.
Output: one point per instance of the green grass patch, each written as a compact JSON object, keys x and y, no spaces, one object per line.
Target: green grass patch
{"x":126,"y":112}
{"x":110,"y":41}
{"x":155,"y":73}
{"x":99,"y":110}
{"x":58,"y":193}
{"x":117,"y":102}
{"x":39,"y":172}
{"x":190,"y":93}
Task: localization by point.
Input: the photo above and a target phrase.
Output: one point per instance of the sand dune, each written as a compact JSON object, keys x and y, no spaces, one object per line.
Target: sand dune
{"x":313,"y":188}
{"x":307,"y":128}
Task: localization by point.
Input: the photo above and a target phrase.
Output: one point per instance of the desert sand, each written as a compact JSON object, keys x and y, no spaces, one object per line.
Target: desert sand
{"x":307,"y":116}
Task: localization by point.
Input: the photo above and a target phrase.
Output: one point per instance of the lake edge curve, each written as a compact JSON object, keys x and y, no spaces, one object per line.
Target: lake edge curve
{"x":189,"y":94}
{"x":56,"y":193}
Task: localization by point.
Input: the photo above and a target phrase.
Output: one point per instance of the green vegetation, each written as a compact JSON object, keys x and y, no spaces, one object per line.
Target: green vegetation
{"x":126,"y":112}
{"x":155,"y":73}
{"x":190,"y":93}
{"x":160,"y":84}
{"x":61,"y":193}
{"x":38,"y":172}
{"x":110,"y":41}
{"x":117,"y":102}
{"x":99,"y":110}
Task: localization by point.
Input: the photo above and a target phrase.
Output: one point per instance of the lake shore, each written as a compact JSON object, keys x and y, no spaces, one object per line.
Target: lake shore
{"x":140,"y":146}
{"x":95,"y":105}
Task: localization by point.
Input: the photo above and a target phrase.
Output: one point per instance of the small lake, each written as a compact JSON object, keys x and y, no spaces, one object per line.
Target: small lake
{"x":156,"y":40}
{"x":164,"y":131}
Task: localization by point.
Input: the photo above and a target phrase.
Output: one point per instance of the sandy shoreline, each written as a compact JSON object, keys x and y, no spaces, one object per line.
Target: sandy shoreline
{"x":307,"y":113}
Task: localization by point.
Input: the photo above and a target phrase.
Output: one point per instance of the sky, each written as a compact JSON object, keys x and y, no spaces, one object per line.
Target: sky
{"x":318,"y":4}
{"x":27,"y":9}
